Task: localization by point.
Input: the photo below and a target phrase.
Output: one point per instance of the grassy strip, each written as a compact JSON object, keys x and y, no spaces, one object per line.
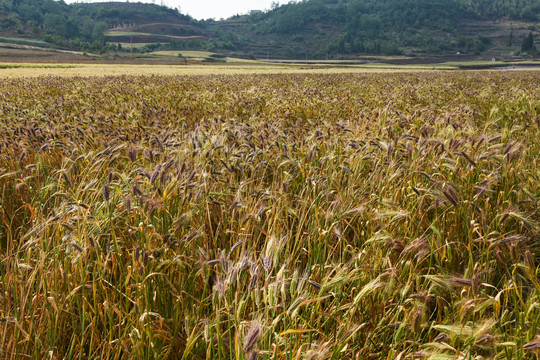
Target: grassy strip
{"x":22,"y":41}
{"x":37,"y":66}
{"x":114,"y":34}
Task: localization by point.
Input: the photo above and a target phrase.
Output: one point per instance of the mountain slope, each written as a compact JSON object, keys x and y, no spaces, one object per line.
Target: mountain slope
{"x":322,"y":28}
{"x":308,"y":29}
{"x":91,"y":26}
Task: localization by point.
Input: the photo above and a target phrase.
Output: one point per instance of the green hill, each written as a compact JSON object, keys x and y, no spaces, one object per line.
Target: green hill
{"x":323,"y":28}
{"x":93,"y":27}
{"x":308,"y":29}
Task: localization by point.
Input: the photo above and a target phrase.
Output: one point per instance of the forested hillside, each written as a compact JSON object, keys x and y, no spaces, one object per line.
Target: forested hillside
{"x":78,"y":26}
{"x":381,"y":27}
{"x":311,"y":29}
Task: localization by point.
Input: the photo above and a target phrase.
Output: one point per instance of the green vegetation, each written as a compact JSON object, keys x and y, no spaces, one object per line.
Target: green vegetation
{"x":52,"y":22}
{"x":289,"y":216}
{"x":78,"y":26}
{"x":23,"y":41}
{"x":314,"y":29}
{"x":376,"y":27}
{"x":115,"y":12}
{"x":527,"y":45}
{"x":309,"y":29}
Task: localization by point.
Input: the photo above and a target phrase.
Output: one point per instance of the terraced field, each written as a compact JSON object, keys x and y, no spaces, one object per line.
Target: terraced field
{"x":295,"y":216}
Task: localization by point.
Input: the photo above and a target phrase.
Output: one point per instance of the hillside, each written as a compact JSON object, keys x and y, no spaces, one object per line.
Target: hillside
{"x":142,"y":23}
{"x":96,"y":27}
{"x":319,"y":29}
{"x":309,"y":29}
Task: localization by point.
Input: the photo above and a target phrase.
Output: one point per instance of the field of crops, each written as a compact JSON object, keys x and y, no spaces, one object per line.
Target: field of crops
{"x":375,"y":216}
{"x":232,"y":67}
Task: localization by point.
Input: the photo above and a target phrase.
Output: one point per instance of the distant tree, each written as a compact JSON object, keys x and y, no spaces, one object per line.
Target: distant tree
{"x":12,"y":20}
{"x":528,"y":43}
{"x":98,"y":32}
{"x":56,"y":23}
{"x":530,"y":11}
{"x":87,"y":29}
{"x":30,"y":13}
{"x":6,"y":6}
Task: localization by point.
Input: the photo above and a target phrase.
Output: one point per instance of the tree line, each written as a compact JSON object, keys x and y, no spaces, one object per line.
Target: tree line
{"x":384,"y":26}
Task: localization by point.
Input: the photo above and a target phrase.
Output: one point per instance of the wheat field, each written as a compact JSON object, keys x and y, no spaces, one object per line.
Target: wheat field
{"x":233,"y":67}
{"x":282,"y":216}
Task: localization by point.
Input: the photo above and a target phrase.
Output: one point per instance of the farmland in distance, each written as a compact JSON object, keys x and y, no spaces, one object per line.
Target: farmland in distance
{"x":270,"y":216}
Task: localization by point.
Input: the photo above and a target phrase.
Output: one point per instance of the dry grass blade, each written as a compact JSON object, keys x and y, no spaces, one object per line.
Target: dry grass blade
{"x":533,"y":345}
